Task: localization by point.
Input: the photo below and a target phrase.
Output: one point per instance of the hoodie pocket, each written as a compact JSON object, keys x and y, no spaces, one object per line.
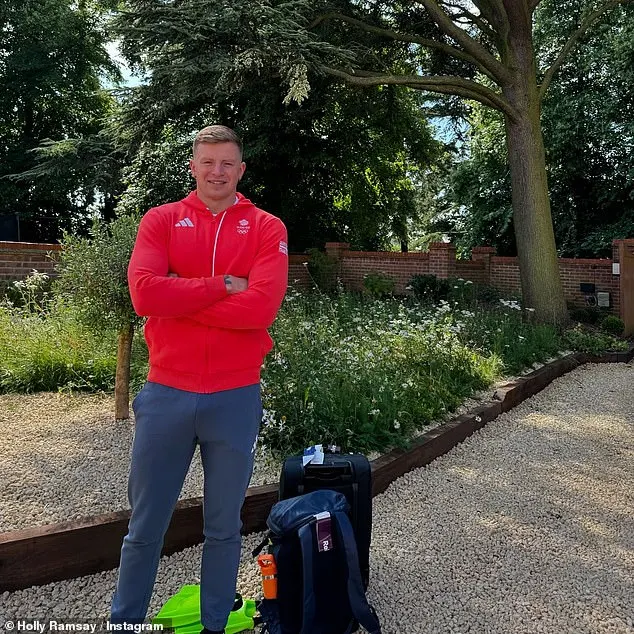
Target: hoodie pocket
{"x":176,"y":344}
{"x":237,"y":349}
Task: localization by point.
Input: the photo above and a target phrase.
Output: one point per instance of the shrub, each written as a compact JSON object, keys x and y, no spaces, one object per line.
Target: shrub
{"x":587,"y":314}
{"x":93,"y":274}
{"x":487,"y":294}
{"x":429,"y":287}
{"x":377,"y":284}
{"x":591,"y":341}
{"x":461,"y":292}
{"x":4,"y":287}
{"x":350,"y":370}
{"x":363,"y":374}
{"x":93,"y":279}
{"x":323,"y":270}
{"x":613,"y":325}
{"x":31,"y":295}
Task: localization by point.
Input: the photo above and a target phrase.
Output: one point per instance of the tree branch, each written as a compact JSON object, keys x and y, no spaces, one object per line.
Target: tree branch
{"x":478,"y":21}
{"x":462,"y":38}
{"x":590,"y":20}
{"x":447,"y":85}
{"x":402,"y":37}
{"x":495,"y":14}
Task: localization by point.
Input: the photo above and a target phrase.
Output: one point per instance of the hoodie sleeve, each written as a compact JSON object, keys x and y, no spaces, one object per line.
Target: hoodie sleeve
{"x":258,"y":305}
{"x":153,"y":293}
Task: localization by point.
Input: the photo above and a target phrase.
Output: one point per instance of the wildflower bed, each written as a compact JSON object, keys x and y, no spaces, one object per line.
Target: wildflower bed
{"x":365,"y":374}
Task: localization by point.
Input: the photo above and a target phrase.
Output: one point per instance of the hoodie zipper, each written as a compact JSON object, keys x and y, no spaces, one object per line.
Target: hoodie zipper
{"x":213,"y":257}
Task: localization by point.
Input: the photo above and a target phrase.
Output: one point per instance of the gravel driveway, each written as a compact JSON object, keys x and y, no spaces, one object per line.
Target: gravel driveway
{"x":528,"y":526}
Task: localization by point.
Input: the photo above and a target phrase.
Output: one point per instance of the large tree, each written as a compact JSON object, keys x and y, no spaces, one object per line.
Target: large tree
{"x":339,"y":166}
{"x":480,"y":50}
{"x":495,"y":39}
{"x":52,"y":59}
{"x":588,"y":136}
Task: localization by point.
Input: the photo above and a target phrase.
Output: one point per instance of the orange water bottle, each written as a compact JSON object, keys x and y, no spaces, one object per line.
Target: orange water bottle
{"x":269,"y":575}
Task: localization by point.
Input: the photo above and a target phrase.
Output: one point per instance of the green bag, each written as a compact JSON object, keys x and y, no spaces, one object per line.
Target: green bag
{"x":182,"y":613}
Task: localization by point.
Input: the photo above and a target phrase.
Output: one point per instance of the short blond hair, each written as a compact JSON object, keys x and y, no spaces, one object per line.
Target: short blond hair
{"x":217,"y":134}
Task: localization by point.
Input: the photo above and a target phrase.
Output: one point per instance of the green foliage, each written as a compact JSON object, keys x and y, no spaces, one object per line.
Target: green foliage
{"x":587,"y":314}
{"x":588,"y":133}
{"x":378,"y":284}
{"x":591,"y":341}
{"x":45,"y":346}
{"x":52,"y":56}
{"x":462,"y":293}
{"x":466,"y":294}
{"x":158,"y":174}
{"x":481,"y":211}
{"x":507,"y":331}
{"x":31,"y":295}
{"x":487,"y":294}
{"x":361,"y":373}
{"x":54,"y":350}
{"x":351,"y":159}
{"x":613,"y":325}
{"x":4,"y":287}
{"x":589,"y":129}
{"x":323,"y":270}
{"x":429,"y":287}
{"x":93,"y":274}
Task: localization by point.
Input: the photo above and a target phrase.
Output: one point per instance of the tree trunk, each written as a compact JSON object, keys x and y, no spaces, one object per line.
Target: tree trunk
{"x":542,"y":288}
{"x":122,"y":378}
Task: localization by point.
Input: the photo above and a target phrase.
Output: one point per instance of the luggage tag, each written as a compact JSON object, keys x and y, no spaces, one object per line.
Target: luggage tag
{"x":313,"y":454}
{"x":324,"y":532}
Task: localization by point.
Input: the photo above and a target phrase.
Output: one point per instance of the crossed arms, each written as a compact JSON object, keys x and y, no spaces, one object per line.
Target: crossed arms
{"x":205,"y":300}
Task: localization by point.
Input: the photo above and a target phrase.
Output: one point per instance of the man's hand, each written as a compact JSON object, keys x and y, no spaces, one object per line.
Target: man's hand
{"x":237,"y":284}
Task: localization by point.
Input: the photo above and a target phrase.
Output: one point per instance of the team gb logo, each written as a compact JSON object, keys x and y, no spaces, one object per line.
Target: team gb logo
{"x":243,"y":226}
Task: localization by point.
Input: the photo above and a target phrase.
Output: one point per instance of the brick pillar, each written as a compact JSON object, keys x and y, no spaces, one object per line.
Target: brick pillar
{"x":616,"y":245}
{"x":484,"y":254}
{"x":626,"y":282}
{"x":337,"y":249}
{"x":442,"y":259}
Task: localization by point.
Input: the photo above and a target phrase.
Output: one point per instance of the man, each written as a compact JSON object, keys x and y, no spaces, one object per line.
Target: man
{"x":210,"y":273}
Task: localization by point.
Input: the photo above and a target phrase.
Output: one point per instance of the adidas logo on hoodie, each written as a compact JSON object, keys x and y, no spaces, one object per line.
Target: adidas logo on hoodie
{"x":185,"y":222}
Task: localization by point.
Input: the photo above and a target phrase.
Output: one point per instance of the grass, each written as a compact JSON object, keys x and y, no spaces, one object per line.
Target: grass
{"x":361,"y":373}
{"x":44,"y":346}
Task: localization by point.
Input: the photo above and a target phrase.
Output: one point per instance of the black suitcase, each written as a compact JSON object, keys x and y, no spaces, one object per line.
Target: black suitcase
{"x":347,"y":473}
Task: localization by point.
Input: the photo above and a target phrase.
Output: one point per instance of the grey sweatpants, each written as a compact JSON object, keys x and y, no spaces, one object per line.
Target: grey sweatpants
{"x":169,"y":425}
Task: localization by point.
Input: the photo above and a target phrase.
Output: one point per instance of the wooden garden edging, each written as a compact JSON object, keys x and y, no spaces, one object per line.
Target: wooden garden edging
{"x":36,"y":556}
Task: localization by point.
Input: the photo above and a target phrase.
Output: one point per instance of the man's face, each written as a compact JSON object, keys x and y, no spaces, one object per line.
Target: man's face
{"x":217,"y":169}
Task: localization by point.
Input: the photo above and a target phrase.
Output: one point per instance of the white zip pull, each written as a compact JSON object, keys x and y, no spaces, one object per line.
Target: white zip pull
{"x":213,"y":259}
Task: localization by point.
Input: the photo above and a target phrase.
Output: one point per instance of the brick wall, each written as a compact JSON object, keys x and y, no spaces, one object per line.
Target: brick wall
{"x":505,"y":275}
{"x":399,"y":266}
{"x":297,"y":272}
{"x":18,"y":259}
{"x":597,"y":272}
{"x":470,"y":270}
{"x":484,"y":267}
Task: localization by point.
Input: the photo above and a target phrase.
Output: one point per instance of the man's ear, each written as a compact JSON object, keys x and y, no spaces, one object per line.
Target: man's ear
{"x":192,"y":169}
{"x":243,"y":167}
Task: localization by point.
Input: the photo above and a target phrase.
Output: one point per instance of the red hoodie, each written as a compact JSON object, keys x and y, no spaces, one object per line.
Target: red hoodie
{"x":200,"y":338}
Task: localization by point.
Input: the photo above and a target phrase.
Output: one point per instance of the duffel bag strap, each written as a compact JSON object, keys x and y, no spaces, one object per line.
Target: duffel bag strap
{"x":306,"y":541}
{"x":362,"y":611}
